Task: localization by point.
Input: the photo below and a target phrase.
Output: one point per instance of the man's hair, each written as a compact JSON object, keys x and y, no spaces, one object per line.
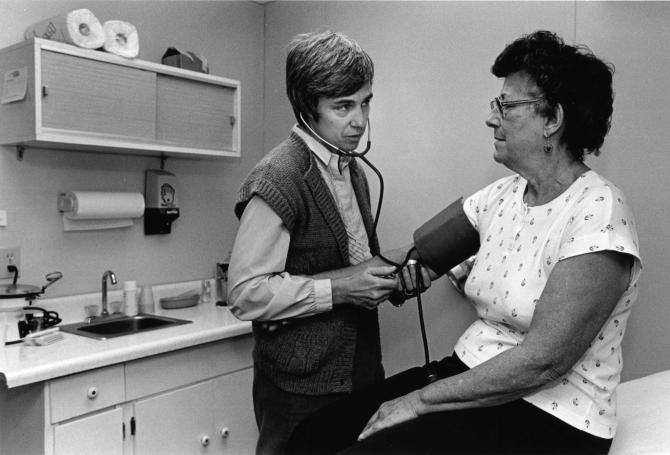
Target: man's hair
{"x":324,"y":64}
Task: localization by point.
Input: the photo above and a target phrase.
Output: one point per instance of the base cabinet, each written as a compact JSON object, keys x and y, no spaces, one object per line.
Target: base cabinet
{"x":212,"y":417}
{"x":101,"y":434}
{"x":195,"y":400}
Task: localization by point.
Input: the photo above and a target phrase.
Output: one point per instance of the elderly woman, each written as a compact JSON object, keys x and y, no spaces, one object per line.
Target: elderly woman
{"x":553,"y":283}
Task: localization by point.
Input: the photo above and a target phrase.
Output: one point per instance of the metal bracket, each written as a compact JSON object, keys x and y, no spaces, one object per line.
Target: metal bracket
{"x":19,"y":152}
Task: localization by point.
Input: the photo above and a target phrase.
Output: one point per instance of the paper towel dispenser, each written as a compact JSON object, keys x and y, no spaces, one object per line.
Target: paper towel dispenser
{"x":160,"y":195}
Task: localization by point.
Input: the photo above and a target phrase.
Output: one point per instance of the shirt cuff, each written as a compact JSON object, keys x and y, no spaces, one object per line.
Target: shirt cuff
{"x":323,"y":295}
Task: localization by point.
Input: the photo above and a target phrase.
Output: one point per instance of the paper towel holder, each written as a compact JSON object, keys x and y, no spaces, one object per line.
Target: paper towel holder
{"x":65,"y":203}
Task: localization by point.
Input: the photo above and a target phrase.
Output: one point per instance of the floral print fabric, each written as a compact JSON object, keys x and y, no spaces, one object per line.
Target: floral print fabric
{"x":520,"y":246}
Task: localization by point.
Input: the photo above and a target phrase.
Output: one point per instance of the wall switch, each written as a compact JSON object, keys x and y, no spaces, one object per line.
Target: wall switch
{"x":9,"y":256}
{"x":3,"y":218}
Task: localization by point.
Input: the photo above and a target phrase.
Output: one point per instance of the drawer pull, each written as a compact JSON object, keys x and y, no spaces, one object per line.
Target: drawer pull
{"x":225,"y":432}
{"x":204,"y":441}
{"x":92,"y":393}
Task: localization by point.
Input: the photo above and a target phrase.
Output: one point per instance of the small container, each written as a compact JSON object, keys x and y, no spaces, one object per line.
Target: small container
{"x":205,"y":291}
{"x":116,"y":307}
{"x":91,"y":311}
{"x":130,"y":297}
{"x":222,"y":283}
{"x":147,"y":304}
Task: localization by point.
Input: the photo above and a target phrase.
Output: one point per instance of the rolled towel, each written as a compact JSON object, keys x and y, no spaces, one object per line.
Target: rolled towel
{"x":121,"y":39}
{"x":79,"y":27}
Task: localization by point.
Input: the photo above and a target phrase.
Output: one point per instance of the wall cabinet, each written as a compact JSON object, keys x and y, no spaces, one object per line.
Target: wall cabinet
{"x":55,"y":95}
{"x":191,"y":401}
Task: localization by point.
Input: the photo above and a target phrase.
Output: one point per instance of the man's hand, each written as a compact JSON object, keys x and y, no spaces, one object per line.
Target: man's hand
{"x":366,"y":289}
{"x":392,"y":413}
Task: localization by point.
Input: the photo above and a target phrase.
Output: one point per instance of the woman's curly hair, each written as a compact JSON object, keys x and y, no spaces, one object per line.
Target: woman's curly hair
{"x":571,"y":76}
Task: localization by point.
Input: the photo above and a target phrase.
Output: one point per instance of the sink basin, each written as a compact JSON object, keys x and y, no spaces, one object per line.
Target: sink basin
{"x":116,"y":326}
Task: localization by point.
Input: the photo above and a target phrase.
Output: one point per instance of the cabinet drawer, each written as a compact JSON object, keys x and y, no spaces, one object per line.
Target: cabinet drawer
{"x":148,"y":376}
{"x":78,"y":394}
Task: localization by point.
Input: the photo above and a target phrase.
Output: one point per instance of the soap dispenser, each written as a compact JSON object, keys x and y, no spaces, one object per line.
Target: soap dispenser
{"x":160,"y":194}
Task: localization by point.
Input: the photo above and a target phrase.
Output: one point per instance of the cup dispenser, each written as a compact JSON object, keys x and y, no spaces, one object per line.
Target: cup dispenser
{"x":161,"y":207}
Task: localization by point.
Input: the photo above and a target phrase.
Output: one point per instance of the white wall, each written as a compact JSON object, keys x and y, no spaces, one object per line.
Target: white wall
{"x":230,"y":36}
{"x":635,"y":37}
{"x":432,"y":88}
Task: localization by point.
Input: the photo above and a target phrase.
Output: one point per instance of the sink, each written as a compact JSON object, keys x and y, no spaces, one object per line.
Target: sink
{"x":116,"y":326}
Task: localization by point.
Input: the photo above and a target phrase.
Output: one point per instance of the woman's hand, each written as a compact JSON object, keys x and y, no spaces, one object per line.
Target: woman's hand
{"x":392,"y":413}
{"x":414,"y":278}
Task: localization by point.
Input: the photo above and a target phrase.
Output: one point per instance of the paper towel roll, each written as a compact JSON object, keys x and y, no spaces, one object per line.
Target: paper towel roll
{"x":121,"y":39}
{"x":93,"y":210}
{"x":79,"y":27}
{"x":98,"y":205}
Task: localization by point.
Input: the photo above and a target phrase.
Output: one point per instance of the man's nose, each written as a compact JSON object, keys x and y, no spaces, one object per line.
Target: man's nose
{"x":359,"y":118}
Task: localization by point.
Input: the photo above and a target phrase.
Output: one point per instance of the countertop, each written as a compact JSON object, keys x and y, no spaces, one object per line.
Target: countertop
{"x":21,"y":364}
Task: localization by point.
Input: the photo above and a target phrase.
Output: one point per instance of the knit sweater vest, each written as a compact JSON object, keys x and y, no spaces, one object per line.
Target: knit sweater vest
{"x":314,"y":355}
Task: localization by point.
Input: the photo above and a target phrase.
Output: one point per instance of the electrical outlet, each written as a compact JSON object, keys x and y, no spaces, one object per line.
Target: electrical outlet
{"x":9,"y":256}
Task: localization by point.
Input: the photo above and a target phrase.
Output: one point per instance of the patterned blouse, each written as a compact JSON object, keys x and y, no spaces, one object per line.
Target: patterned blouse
{"x":520,"y":246}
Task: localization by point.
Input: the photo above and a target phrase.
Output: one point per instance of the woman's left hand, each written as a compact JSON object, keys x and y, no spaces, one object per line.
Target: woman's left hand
{"x":392,"y":413}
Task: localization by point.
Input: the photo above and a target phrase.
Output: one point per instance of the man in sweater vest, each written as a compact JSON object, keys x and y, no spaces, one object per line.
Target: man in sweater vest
{"x":304,"y":267}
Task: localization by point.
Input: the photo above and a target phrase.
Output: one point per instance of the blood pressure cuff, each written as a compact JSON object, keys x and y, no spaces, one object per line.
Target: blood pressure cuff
{"x":447,"y":239}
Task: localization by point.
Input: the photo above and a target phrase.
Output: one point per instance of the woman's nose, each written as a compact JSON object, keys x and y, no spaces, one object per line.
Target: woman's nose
{"x":493,"y":120}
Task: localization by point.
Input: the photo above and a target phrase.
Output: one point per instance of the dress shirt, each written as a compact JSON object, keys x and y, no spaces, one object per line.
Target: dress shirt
{"x":259,"y":285}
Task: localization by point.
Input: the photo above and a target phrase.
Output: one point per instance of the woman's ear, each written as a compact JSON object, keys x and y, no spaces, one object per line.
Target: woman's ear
{"x":554,"y":121}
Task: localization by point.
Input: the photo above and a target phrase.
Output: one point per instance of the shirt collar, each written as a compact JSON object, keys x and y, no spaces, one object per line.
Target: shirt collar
{"x":322,"y":153}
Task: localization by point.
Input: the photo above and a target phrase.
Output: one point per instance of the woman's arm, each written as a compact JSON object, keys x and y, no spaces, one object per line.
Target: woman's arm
{"x":580,"y":294}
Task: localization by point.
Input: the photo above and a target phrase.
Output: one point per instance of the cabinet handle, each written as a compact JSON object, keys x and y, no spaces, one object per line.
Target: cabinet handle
{"x":225,"y":432}
{"x":45,"y":90}
{"x":204,"y":441}
{"x":92,"y":393}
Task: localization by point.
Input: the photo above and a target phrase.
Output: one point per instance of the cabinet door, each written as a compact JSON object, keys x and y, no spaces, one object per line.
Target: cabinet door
{"x":176,"y":422}
{"x":195,"y":114}
{"x":234,"y":420}
{"x":99,"y":98}
{"x":101,"y":434}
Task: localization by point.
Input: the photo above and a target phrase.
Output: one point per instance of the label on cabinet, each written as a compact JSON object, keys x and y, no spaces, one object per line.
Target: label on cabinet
{"x":15,"y":85}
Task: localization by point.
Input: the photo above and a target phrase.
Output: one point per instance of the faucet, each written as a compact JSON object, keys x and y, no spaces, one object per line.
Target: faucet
{"x":112,"y":278}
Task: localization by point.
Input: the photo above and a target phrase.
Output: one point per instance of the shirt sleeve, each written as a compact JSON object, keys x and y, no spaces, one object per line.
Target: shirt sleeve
{"x":601,"y":221}
{"x":259,"y":287}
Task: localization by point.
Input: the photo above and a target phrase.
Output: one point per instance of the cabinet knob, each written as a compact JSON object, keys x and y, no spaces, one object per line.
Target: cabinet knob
{"x":92,"y":393}
{"x":204,"y":441}
{"x":225,"y":432}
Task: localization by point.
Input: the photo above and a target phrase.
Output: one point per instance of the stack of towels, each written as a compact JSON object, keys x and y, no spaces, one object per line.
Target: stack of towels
{"x":81,"y":28}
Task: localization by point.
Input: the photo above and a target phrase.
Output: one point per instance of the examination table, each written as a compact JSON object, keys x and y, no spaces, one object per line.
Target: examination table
{"x":644,"y":416}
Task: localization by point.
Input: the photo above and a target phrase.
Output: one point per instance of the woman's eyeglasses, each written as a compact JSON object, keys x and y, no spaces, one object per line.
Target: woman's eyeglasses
{"x":500,"y":106}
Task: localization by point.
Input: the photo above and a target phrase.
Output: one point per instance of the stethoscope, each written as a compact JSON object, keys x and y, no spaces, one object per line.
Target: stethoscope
{"x":432,"y":376}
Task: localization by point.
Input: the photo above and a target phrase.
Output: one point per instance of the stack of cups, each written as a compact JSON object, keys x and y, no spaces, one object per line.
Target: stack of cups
{"x":147,"y":300}
{"x":130,"y":297}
